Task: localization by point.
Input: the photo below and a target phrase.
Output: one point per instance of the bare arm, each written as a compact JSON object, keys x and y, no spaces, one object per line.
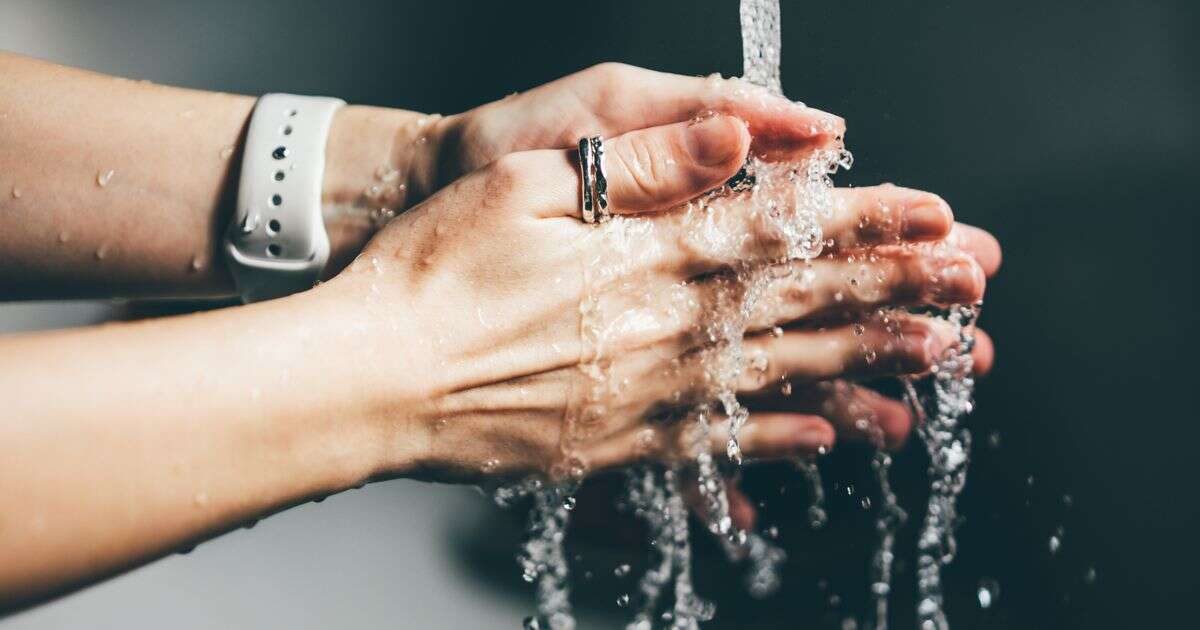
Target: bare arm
{"x":112,"y":187}
{"x":126,"y":441}
{"x":449,"y":351}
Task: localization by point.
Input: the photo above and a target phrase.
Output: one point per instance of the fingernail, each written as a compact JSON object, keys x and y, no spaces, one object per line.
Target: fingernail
{"x":831,"y":124}
{"x":959,"y":280}
{"x":926,"y":220}
{"x":715,"y":141}
{"x":816,"y":439}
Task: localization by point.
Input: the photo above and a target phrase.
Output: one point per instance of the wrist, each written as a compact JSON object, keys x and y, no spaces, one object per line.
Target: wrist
{"x":379,"y":162}
{"x":367,"y":361}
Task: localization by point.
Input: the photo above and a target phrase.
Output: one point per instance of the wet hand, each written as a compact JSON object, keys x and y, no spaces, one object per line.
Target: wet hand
{"x":610,"y":99}
{"x":479,"y":290}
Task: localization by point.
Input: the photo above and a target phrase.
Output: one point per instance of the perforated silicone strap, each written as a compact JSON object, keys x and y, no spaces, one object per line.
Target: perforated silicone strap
{"x":277,"y":244}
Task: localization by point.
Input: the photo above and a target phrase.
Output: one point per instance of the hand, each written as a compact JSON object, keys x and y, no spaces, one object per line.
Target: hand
{"x":853,"y":412}
{"x":382,"y":161}
{"x":472,"y":307}
{"x":610,"y":99}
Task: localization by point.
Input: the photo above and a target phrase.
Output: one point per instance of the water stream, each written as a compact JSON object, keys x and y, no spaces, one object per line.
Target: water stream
{"x":789,"y":200}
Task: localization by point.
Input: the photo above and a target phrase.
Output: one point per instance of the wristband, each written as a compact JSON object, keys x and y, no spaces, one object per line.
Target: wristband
{"x":277,"y":244}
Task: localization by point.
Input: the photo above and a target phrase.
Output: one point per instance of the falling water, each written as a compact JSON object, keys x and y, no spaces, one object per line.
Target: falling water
{"x":943,"y":405}
{"x":788,"y":201}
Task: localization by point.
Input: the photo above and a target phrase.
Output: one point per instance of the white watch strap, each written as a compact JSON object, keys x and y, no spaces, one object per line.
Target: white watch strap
{"x":277,"y":244}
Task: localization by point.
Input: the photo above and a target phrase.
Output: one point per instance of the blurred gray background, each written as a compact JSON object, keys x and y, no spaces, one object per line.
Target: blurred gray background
{"x":1067,"y":129}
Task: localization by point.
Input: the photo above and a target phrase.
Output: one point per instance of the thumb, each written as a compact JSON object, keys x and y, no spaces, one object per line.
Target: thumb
{"x":661,"y":167}
{"x":648,"y":170}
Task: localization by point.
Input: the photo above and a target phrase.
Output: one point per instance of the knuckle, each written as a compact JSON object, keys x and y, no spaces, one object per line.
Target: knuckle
{"x":610,"y":70}
{"x":636,"y":160}
{"x":507,"y":174}
{"x":913,"y":353}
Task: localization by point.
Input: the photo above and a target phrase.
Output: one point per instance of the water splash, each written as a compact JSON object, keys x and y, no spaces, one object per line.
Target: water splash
{"x":786,"y":205}
{"x":940,"y":409}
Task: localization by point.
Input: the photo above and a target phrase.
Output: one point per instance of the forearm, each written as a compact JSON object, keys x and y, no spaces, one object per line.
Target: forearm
{"x":121,"y":443}
{"x":111,"y":187}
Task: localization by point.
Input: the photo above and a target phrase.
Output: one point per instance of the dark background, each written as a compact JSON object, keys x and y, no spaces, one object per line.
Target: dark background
{"x":1067,"y":131}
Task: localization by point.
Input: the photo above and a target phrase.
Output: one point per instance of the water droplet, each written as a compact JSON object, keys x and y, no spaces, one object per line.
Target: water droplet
{"x":102,"y":251}
{"x":988,"y":593}
{"x":197,"y":263}
{"x":531,"y":623}
{"x":1089,"y":576}
{"x":786,"y":389}
{"x":64,"y":236}
{"x":1054,"y":544}
{"x":103,"y":177}
{"x":16,"y":193}
{"x":569,"y":503}
{"x":623,"y":600}
{"x":621,"y":570}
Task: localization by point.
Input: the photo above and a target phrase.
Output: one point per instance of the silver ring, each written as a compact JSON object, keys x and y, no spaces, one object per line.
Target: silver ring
{"x":586,"y":168}
{"x":601,"y":179}
{"x":593,"y":184}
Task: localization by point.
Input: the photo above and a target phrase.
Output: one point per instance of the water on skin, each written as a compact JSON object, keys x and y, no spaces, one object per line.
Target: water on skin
{"x":788,"y":200}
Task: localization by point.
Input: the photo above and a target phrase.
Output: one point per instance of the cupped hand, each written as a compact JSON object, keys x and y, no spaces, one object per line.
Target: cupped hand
{"x":510,"y":338}
{"x":610,"y":99}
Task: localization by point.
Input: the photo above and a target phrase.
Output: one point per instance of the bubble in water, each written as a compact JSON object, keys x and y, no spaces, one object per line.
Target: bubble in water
{"x":988,"y":593}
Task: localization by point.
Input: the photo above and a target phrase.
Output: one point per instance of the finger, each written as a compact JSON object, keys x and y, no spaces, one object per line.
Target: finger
{"x":764,"y":436}
{"x":777,"y":435}
{"x":892,"y":278}
{"x":741,"y":508}
{"x":857,"y":413}
{"x":647,"y":170}
{"x":980,"y":244}
{"x":780,"y":128}
{"x":983,"y":354}
{"x":770,"y":214}
{"x":906,"y":345}
{"x":741,"y":511}
{"x":886,"y":214}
